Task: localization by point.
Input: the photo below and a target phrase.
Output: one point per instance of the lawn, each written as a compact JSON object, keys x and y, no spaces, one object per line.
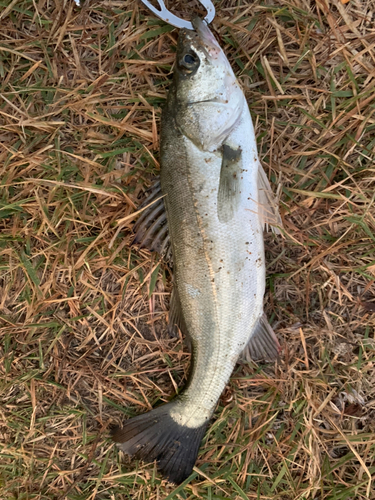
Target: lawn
{"x":83,"y":340}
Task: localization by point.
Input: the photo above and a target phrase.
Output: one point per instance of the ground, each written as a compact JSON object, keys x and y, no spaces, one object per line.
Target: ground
{"x":83,"y":340}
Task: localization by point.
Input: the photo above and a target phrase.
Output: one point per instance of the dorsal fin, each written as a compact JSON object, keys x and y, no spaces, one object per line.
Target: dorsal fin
{"x":151,"y":229}
{"x":175,"y":317}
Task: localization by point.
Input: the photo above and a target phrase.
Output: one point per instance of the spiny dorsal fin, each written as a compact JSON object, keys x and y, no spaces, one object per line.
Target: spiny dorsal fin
{"x":263,"y":344}
{"x":268,"y":208}
{"x":151,"y":229}
{"x":228,"y":196}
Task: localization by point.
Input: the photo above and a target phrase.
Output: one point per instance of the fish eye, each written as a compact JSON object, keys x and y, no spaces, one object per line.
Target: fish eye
{"x":189,"y":62}
{"x":189,"y":59}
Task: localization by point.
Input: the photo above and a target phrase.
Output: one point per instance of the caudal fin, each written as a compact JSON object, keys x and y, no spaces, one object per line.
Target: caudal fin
{"x":157,"y":436}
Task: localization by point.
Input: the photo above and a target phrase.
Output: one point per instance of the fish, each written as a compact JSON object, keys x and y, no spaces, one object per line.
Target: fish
{"x":208,"y":212}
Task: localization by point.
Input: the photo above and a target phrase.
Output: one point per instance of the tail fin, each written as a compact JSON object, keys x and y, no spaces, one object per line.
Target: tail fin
{"x":157,"y":436}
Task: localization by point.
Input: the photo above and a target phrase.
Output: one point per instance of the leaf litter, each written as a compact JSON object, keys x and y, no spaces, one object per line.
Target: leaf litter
{"x":83,"y":341}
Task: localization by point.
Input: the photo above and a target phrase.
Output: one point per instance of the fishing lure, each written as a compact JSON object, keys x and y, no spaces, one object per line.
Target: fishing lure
{"x":176,"y":21}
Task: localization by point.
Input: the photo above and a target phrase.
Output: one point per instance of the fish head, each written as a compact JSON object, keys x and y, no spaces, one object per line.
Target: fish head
{"x":206,"y":91}
{"x":202,"y":69}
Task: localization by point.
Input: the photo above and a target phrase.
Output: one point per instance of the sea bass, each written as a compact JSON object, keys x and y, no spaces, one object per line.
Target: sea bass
{"x":217,"y":200}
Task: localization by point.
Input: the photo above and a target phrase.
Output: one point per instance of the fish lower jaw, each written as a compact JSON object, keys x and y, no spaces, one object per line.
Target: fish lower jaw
{"x":191,"y":415}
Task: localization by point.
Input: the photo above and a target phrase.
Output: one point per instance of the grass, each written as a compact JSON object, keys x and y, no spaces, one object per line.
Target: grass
{"x":83,"y":340}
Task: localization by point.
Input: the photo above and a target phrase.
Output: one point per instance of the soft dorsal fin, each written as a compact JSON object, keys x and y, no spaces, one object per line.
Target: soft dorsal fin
{"x":268,"y":208}
{"x":175,"y":318}
{"x":263,"y":344}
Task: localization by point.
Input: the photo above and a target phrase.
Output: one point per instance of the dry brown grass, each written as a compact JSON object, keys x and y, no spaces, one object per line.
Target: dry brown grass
{"x":82,"y":323}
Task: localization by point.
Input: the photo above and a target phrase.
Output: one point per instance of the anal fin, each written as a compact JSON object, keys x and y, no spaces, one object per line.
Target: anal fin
{"x":263,"y":344}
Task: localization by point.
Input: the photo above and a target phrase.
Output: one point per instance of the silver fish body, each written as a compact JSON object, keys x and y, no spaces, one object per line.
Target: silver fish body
{"x":219,"y":268}
{"x":215,"y":191}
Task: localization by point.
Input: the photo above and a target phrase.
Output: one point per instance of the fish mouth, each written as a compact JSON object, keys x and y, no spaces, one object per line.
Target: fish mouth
{"x":202,"y":38}
{"x":215,"y":100}
{"x":206,"y":37}
{"x":204,"y":32}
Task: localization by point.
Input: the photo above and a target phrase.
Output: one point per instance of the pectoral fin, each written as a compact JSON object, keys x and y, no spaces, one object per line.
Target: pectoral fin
{"x":263,"y":344}
{"x":228,"y":197}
